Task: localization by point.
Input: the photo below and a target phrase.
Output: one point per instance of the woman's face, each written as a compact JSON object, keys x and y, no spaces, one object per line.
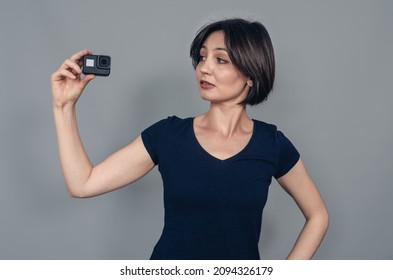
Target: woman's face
{"x":218,"y":79}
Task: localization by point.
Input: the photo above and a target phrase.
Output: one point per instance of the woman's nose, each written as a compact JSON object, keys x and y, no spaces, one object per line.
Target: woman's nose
{"x":205,"y":66}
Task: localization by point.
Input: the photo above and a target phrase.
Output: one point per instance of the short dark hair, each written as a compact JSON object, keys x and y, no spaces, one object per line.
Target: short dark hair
{"x":250,"y":50}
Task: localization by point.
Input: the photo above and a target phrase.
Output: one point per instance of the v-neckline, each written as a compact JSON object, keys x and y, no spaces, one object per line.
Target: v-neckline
{"x":209,"y":155}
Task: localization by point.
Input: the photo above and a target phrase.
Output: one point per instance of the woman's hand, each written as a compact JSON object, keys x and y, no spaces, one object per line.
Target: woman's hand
{"x":67,"y":83}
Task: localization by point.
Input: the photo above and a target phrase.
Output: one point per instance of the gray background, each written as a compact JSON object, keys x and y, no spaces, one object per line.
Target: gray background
{"x":332,"y":98}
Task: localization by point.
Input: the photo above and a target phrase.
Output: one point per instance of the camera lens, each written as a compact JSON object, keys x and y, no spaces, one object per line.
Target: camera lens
{"x":104,"y":61}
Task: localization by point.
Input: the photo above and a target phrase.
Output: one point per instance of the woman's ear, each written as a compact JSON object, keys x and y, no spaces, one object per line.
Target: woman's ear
{"x":249,"y":83}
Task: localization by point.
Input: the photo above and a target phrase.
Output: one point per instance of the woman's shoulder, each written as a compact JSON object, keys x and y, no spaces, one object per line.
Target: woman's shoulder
{"x":262,"y":126}
{"x":270,"y":133}
{"x":172,"y":123}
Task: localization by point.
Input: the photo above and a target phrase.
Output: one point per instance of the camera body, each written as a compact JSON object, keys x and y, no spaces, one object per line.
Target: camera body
{"x":99,"y":65}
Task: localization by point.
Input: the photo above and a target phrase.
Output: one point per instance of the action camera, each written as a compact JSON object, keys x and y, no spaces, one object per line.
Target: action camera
{"x":99,"y":65}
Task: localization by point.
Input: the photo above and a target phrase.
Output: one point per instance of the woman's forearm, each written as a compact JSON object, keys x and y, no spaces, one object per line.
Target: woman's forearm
{"x":75,"y":163}
{"x":310,"y":238}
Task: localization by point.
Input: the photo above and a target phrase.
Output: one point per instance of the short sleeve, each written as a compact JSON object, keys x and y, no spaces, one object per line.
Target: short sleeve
{"x":288,"y":155}
{"x":152,"y":137}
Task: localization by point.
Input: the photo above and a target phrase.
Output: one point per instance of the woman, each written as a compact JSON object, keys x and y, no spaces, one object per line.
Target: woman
{"x":216,"y":167}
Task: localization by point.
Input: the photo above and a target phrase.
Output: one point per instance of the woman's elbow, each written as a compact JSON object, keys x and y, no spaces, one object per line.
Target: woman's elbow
{"x":77,"y":192}
{"x":322,"y":218}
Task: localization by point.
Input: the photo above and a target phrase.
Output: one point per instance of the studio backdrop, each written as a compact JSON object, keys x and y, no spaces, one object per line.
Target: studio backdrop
{"x":332,"y":98}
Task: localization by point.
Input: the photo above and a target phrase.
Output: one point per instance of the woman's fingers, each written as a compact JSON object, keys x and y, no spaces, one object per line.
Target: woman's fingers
{"x":74,"y":63}
{"x":71,"y":65}
{"x":60,"y":74}
{"x":71,"y":68}
{"x":77,"y":56}
{"x":66,"y":73}
{"x":86,"y":79}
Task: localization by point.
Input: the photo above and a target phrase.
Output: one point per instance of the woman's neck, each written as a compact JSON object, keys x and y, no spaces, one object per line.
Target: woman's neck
{"x":226,"y":119}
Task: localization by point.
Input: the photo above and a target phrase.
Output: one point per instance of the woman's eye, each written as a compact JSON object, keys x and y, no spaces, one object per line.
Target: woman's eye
{"x":221,"y":61}
{"x":202,"y":58}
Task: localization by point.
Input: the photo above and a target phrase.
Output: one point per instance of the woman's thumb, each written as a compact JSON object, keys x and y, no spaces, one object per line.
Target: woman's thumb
{"x":86,"y":79}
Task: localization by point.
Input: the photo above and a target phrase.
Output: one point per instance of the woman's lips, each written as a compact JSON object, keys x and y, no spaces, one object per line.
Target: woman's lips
{"x":206,"y":85}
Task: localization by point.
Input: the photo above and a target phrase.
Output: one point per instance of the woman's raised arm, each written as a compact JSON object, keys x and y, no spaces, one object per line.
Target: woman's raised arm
{"x":82,"y":178}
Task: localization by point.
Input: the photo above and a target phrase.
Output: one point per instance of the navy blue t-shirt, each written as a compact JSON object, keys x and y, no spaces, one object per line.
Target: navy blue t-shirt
{"x":213,"y":207}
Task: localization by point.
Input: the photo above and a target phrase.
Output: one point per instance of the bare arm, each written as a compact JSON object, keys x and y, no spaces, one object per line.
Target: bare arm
{"x":82,"y":178}
{"x":298,"y":184}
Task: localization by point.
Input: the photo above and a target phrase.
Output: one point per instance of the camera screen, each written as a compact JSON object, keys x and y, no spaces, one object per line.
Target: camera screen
{"x":90,"y":62}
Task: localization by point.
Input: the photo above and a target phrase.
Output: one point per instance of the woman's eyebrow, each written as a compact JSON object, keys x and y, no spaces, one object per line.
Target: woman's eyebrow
{"x":215,"y":49}
{"x":221,"y":49}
